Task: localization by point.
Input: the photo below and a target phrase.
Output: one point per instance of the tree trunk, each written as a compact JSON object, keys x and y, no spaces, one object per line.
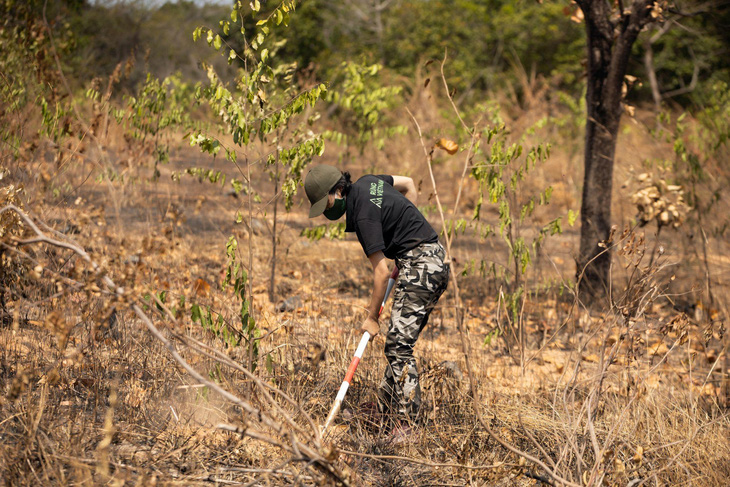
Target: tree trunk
{"x":609,"y":47}
{"x":595,"y":260}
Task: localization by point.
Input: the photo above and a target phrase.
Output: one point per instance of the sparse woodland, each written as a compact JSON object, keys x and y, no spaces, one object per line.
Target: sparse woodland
{"x":170,"y":316}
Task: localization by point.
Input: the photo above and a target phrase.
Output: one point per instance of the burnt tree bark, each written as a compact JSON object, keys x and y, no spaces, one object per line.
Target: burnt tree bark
{"x":611,"y":30}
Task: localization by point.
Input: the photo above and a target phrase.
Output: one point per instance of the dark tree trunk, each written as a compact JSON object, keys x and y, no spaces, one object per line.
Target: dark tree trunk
{"x":609,"y":40}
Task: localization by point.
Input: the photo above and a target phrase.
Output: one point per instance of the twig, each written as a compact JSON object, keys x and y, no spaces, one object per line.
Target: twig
{"x":448,"y":95}
{"x":526,"y":456}
{"x":275,"y":471}
{"x":472,"y":133}
{"x":424,"y":462}
{"x":535,"y":442}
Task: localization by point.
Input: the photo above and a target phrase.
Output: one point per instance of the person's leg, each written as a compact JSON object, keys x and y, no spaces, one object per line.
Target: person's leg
{"x":390,"y":387}
{"x":424,"y":277}
{"x":387,"y":403}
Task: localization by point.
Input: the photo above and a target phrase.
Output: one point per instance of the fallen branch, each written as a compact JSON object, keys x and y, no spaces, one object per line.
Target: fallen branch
{"x":425,"y":462}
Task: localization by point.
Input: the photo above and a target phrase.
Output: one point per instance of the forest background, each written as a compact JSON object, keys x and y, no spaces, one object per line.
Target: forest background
{"x":170,"y":316}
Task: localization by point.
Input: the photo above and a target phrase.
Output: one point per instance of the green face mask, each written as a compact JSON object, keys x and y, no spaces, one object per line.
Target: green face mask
{"x":338,"y":209}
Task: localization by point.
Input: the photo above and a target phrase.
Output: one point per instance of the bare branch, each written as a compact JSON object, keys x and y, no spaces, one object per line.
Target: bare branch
{"x":423,"y":462}
{"x":526,"y":456}
{"x":692,"y":84}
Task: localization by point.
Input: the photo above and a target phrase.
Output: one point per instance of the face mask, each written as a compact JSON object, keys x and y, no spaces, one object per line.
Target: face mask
{"x":337,"y":210}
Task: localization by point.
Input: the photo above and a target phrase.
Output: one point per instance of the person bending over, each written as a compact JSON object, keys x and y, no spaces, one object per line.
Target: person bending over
{"x":381,"y":211}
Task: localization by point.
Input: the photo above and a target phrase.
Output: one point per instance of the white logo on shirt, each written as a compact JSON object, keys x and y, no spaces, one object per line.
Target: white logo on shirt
{"x":376,"y":189}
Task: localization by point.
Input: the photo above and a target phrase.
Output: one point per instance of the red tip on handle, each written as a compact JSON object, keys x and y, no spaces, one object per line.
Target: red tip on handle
{"x":351,"y":370}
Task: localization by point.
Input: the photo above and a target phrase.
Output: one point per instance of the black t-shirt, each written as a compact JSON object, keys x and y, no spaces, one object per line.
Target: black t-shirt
{"x":384,"y":219}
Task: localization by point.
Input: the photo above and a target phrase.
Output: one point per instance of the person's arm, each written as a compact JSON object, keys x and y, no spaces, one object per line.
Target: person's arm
{"x":406,"y":186}
{"x":380,"y":282}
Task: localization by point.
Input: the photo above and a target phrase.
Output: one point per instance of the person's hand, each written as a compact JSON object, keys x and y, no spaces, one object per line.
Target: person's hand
{"x":371,"y":326}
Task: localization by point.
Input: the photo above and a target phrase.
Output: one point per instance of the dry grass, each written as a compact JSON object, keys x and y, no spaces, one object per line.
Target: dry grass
{"x":627,"y":396}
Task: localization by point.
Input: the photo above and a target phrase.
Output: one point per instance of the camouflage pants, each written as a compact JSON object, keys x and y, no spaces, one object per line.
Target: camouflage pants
{"x":423,"y":279}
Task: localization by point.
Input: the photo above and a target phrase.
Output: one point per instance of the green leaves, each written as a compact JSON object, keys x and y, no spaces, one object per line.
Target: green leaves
{"x":501,"y":170}
{"x":456,"y":227}
{"x":258,"y":40}
{"x":50,"y":118}
{"x":206,"y":143}
{"x":214,"y":323}
{"x":296,"y":159}
{"x":157,"y":106}
{"x":332,"y":231}
{"x":363,"y":103}
{"x":237,"y":277}
{"x":210,"y":174}
{"x":572,"y":217}
{"x":281,"y":117}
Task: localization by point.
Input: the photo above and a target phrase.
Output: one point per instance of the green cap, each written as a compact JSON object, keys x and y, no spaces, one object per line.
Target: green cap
{"x":317,"y":184}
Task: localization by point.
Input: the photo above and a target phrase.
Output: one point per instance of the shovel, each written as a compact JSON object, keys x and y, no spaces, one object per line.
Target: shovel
{"x":356,"y":359}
